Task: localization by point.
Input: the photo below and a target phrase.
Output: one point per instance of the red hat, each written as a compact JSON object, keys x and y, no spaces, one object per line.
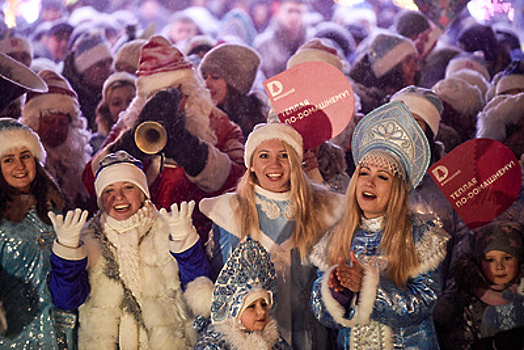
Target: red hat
{"x":161,"y":65}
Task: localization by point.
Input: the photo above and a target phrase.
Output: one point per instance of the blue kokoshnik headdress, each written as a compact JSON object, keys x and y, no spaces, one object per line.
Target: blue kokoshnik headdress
{"x":248,"y":269}
{"x":392,"y":130}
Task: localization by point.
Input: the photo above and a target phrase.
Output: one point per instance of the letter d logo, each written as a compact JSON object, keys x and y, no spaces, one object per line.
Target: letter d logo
{"x":440,"y":173}
{"x":275,"y":87}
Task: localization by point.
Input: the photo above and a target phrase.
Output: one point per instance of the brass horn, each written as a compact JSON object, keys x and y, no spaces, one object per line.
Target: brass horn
{"x":150,"y":137}
{"x":16,"y":79}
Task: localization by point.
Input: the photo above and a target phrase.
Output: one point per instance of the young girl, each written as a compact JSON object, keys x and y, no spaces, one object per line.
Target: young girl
{"x":280,"y":207}
{"x":244,"y":300}
{"x":379,"y":270}
{"x":488,"y":300}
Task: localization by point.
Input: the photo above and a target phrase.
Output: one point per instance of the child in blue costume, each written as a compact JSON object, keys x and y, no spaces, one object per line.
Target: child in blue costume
{"x":379,"y":270}
{"x":28,"y":319}
{"x":243,"y":304}
{"x":277,"y":204}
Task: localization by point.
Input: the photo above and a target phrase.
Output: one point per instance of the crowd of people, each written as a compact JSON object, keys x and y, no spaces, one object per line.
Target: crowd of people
{"x":152,"y":199}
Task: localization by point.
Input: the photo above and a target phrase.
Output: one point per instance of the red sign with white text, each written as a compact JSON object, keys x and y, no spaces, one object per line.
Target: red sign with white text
{"x":315,"y":98}
{"x":480,"y":178}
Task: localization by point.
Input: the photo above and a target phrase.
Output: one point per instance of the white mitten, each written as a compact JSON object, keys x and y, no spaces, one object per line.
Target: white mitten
{"x":68,"y":229}
{"x":182,"y":233}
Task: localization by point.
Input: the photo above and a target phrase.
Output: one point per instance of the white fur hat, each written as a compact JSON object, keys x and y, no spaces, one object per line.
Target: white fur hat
{"x":14,"y":135}
{"x":270,"y":131}
{"x":423,"y":102}
{"x":512,"y":78}
{"x":316,"y":50}
{"x":120,"y":166}
{"x":14,"y":43}
{"x":466,"y":99}
{"x":474,"y":78}
{"x":468,"y":60}
{"x":501,"y":111}
{"x":117,"y":77}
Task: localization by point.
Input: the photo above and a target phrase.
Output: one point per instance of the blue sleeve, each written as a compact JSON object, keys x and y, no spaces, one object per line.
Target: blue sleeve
{"x":318,"y":305}
{"x":68,"y":282}
{"x":192,"y":263}
{"x":408,"y":306}
{"x":220,"y":247}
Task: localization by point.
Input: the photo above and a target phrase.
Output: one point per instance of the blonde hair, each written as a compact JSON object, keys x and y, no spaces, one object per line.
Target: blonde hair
{"x":307,"y":198}
{"x":397,"y":242}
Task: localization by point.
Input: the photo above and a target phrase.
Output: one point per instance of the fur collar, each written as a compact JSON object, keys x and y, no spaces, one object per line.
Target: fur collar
{"x":219,"y":210}
{"x":241,"y":340}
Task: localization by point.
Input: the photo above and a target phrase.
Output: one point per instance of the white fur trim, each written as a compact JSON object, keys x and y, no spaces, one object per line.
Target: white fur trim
{"x":368,"y":295}
{"x":502,"y":110}
{"x":219,"y":210}
{"x":18,"y":138}
{"x":393,"y":57}
{"x":458,"y":64}
{"x":238,"y":339}
{"x":148,"y":84}
{"x":333,"y":307}
{"x":215,"y":172}
{"x":199,"y":295}
{"x":42,"y":104}
{"x":92,"y":56}
{"x":510,"y":82}
{"x":431,"y":249}
{"x":423,"y":107}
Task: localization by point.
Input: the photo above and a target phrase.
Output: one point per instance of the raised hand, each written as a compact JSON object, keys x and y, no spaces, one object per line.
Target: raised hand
{"x":68,"y":229}
{"x":182,"y":233}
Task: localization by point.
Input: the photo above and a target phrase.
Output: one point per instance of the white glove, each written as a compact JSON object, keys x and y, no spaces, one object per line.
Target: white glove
{"x":182,"y":233}
{"x":68,"y":229}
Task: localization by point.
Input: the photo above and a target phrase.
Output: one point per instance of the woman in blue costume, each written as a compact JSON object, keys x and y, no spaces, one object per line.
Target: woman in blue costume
{"x":26,"y":236}
{"x":279,"y":206}
{"x":380,"y":269}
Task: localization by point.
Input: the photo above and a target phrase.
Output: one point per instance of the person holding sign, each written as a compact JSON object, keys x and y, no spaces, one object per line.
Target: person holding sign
{"x":379,"y":268}
{"x":279,"y":206}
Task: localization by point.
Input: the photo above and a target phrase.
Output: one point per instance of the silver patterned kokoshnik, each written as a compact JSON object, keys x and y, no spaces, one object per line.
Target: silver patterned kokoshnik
{"x":393,"y":129}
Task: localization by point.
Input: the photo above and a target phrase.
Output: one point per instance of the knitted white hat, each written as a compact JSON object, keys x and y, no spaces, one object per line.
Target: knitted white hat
{"x":120,"y":166}
{"x":90,"y":49}
{"x":466,"y":99}
{"x":60,"y":98}
{"x":423,"y":102}
{"x":237,"y":64}
{"x":270,"y":131}
{"x":14,"y":136}
{"x":388,"y":50}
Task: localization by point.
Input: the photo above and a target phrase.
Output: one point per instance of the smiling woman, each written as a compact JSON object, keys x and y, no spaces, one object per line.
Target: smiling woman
{"x":279,"y":206}
{"x":26,"y":236}
{"x":381,"y":257}
{"x":120,"y":267}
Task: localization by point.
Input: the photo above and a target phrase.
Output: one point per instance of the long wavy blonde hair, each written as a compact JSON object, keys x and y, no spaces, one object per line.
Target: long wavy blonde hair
{"x":308,"y":198}
{"x":397,"y":242}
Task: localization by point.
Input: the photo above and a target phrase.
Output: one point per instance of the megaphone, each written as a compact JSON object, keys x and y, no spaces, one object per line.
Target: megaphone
{"x":150,"y":137}
{"x":16,"y":79}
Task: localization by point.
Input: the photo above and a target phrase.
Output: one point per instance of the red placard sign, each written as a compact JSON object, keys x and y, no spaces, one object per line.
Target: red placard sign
{"x":315,"y":98}
{"x":480,"y":178}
